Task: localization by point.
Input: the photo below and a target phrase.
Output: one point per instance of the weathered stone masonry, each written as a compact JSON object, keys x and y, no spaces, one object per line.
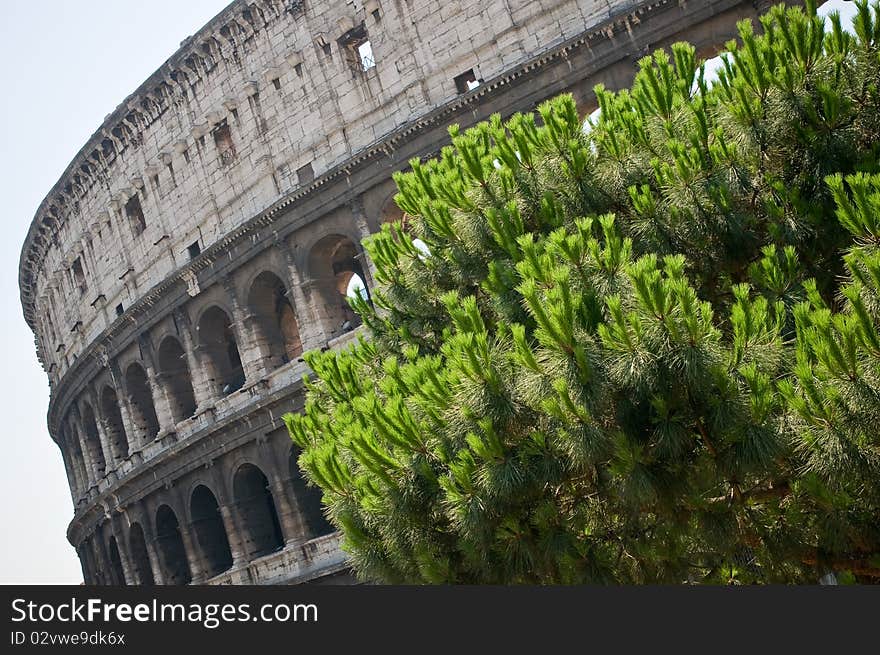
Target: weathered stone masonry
{"x":205,"y":236}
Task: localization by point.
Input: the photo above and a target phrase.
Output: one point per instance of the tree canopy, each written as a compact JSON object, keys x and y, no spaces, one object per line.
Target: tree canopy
{"x":645,"y":352}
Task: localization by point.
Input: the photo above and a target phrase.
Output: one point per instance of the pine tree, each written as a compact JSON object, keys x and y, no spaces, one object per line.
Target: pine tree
{"x":645,"y":353}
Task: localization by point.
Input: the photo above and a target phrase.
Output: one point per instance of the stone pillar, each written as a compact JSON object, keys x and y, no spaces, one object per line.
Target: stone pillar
{"x":363,"y":227}
{"x":161,"y":402}
{"x":136,"y":436}
{"x":123,"y":548}
{"x":311,"y":328}
{"x":70,"y":469}
{"x":91,"y":466}
{"x":232,"y":525}
{"x":110,"y":459}
{"x":288,"y":515}
{"x":251,"y":358}
{"x":104,"y":557}
{"x":193,"y":554}
{"x":204,"y":391}
{"x":152,"y":555}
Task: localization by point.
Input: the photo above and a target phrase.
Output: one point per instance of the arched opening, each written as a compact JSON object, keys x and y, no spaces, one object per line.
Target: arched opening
{"x":217,"y":342}
{"x":116,"y":434}
{"x":142,"y":408}
{"x":335,"y":268}
{"x":140,"y":560}
{"x":257,"y":507}
{"x":175,"y":568}
{"x":308,"y":499}
{"x":275,"y":321}
{"x":116,"y":572}
{"x":210,"y":532}
{"x":93,"y":441}
{"x":176,"y":379}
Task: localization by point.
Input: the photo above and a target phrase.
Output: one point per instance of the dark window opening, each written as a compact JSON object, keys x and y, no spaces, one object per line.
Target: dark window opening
{"x":135,"y":214}
{"x":223,"y":140}
{"x":276,"y":82}
{"x":357,"y":49}
{"x":79,"y":276}
{"x":171,"y":173}
{"x":305,"y":174}
{"x":186,"y":155}
{"x":298,"y":68}
{"x":193,"y":249}
{"x":377,"y":16}
{"x":326,"y":48}
{"x":119,"y":309}
{"x":156,"y":181}
{"x":235,"y":114}
{"x":467,"y":81}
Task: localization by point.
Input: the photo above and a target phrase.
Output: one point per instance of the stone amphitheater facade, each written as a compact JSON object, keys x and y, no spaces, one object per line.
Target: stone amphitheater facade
{"x":206,"y":234}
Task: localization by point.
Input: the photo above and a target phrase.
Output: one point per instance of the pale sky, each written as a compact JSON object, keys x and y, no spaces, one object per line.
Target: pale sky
{"x":66,"y":65}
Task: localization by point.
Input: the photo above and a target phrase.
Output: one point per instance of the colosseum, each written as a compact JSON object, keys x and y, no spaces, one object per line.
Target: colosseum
{"x":209,"y":230}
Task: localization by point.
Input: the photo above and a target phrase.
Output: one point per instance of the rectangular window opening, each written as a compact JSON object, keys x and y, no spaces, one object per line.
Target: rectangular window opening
{"x":156,"y":181}
{"x":186,"y":155}
{"x":194,"y":249}
{"x":467,"y":81}
{"x":79,"y":275}
{"x":377,"y":16}
{"x":120,"y":310}
{"x":326,"y":48}
{"x":305,"y":174}
{"x":135,"y":214}
{"x":223,"y":140}
{"x":276,"y":82}
{"x":299,"y":69}
{"x":355,"y":45}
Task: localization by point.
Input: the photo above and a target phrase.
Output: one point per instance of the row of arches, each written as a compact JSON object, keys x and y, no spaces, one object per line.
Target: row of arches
{"x":225,"y":349}
{"x":251,"y":524}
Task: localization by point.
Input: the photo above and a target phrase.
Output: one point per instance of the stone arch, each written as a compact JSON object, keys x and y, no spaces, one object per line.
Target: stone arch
{"x":172,"y":551}
{"x":117,"y":573}
{"x":93,"y":441}
{"x":210,"y":531}
{"x":308,"y":499}
{"x":274,"y":319}
{"x":390,"y":212}
{"x":257,"y":507}
{"x":333,"y":261}
{"x":220,"y":348}
{"x":140,"y":559}
{"x":176,"y":379}
{"x":116,"y":433}
{"x":143,"y":409}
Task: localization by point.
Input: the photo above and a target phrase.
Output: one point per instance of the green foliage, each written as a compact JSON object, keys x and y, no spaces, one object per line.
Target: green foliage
{"x":649,"y":353}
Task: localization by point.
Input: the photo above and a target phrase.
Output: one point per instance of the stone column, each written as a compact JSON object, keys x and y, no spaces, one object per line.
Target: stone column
{"x":91,"y":466}
{"x":232,"y":525}
{"x":363,"y":227}
{"x":161,"y":402}
{"x":123,"y":548}
{"x":288,"y":514}
{"x":110,"y":459}
{"x":204,"y":391}
{"x":152,"y":555}
{"x":193,"y":554}
{"x":311,"y":328}
{"x":251,"y":359}
{"x":104,"y":556}
{"x":136,"y":437}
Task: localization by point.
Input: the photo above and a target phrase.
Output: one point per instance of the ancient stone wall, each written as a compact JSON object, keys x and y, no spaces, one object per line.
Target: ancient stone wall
{"x":206,"y":235}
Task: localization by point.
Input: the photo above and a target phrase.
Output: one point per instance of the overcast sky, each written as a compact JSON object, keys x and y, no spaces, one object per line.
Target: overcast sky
{"x":65,"y":66}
